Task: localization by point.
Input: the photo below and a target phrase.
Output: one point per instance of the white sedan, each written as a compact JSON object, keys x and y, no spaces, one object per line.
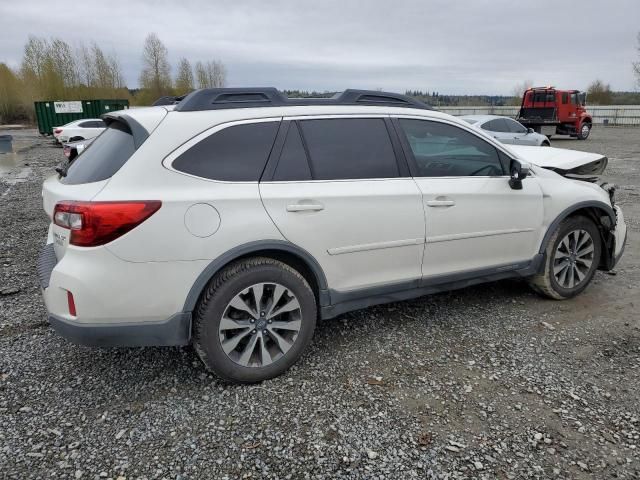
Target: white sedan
{"x":82,"y":129}
{"x":507,"y":130}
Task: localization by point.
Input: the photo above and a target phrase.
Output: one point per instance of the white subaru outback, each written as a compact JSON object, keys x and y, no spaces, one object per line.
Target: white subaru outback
{"x":236,"y":218}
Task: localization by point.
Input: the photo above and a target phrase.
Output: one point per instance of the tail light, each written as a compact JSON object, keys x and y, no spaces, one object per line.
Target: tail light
{"x":97,"y":223}
{"x":57,"y":130}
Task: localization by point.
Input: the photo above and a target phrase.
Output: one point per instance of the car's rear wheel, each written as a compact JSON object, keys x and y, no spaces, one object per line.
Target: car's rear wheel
{"x":571,"y":259}
{"x":254,"y":321}
{"x":545,"y":144}
{"x":585,"y":130}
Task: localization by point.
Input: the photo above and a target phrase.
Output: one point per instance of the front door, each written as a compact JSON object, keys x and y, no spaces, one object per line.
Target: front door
{"x":339,"y":193}
{"x":474,"y":221}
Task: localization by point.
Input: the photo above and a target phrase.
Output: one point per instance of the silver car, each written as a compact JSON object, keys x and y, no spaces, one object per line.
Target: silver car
{"x":507,"y":130}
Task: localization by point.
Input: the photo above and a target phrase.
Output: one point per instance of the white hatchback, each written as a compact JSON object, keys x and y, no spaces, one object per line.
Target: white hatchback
{"x":238,"y":217}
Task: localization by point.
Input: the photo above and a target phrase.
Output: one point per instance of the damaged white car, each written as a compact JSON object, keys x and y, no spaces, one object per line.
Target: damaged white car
{"x":236,"y":218}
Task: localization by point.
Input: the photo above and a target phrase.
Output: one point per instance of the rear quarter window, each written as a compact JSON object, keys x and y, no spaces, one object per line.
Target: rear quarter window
{"x":103,"y":157}
{"x":236,"y":154}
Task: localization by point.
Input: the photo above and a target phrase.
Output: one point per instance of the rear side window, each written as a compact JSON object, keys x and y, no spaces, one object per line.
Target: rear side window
{"x":349,"y":148}
{"x":102,"y":158}
{"x":234,"y":154}
{"x":293,"y":164}
{"x":497,"y":125}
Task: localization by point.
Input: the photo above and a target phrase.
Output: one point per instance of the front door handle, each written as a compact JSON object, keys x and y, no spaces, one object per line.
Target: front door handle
{"x":305,"y":207}
{"x":440,"y":203}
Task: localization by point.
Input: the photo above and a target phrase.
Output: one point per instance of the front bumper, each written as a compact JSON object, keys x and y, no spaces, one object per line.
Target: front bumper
{"x":172,"y":331}
{"x":620,"y":236}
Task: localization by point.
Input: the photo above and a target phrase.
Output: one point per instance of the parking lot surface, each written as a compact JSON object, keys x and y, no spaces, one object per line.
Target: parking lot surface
{"x":489,"y":382}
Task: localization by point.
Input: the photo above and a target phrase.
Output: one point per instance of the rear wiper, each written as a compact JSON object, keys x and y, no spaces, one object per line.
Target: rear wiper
{"x":62,"y":171}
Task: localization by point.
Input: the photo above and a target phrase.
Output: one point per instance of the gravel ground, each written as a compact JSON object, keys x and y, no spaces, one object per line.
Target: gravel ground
{"x":486,"y":382}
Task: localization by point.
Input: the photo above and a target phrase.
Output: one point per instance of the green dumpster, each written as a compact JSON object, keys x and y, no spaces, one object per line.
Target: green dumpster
{"x":54,"y":113}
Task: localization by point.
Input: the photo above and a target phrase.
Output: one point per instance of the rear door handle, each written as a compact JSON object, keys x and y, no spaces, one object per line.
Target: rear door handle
{"x":440,"y":203}
{"x":305,"y":207}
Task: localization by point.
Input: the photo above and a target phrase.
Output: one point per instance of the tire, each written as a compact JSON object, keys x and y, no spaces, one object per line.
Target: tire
{"x":545,"y":144}
{"x":546,"y":283}
{"x":239,"y":285}
{"x":585,"y":130}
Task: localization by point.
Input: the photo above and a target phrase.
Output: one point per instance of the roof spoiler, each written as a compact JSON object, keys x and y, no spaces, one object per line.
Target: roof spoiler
{"x":140,"y":134}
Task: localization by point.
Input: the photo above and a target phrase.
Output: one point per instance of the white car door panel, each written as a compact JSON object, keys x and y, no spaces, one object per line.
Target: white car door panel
{"x":486,"y":224}
{"x":367,"y":232}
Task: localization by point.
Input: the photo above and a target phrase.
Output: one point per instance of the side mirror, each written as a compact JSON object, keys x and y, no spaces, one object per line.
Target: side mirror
{"x":519,"y":171}
{"x":530,"y":130}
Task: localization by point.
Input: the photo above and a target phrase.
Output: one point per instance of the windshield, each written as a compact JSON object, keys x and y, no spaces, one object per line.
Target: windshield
{"x":103,"y":157}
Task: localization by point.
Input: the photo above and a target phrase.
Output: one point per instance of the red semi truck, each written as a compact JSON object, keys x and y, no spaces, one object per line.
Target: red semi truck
{"x":550,"y":111}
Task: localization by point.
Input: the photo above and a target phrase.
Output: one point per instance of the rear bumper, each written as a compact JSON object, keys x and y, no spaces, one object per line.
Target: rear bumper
{"x":174,"y":331}
{"x":107,"y":318}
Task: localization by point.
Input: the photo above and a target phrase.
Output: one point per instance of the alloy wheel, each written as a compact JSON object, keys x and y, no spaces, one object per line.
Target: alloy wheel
{"x":260,"y":324}
{"x":573,"y":258}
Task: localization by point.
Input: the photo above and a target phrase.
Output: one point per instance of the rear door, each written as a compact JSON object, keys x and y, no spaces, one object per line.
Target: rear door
{"x":474,"y":221}
{"x":499,"y":130}
{"x":336,"y":188}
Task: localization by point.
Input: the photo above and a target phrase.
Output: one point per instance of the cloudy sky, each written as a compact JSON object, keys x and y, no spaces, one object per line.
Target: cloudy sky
{"x":459,"y":47}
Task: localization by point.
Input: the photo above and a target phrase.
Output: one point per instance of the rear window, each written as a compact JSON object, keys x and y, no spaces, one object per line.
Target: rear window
{"x":103,"y":157}
{"x":234,"y":154}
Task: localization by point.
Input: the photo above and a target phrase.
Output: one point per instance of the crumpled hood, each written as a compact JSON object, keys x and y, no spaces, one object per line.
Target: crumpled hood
{"x":562,"y":160}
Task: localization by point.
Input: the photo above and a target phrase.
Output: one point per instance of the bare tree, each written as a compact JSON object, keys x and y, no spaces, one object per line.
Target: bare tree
{"x":211,"y":74}
{"x":184,"y":77}
{"x":156,"y":71}
{"x":518,"y":91}
{"x":35,"y":54}
{"x":599,"y":93}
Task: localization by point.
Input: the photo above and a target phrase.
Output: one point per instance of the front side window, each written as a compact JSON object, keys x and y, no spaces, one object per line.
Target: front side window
{"x":443,"y":150}
{"x":515,"y":127}
{"x":349,"y":148}
{"x":235,"y":154}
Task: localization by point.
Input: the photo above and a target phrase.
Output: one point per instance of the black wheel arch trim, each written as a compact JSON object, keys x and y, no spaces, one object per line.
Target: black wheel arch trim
{"x":607,"y":209}
{"x":255,"y":247}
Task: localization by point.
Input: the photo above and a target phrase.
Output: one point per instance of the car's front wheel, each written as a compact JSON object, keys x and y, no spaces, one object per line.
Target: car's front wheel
{"x":254,"y":320}
{"x":571,"y":259}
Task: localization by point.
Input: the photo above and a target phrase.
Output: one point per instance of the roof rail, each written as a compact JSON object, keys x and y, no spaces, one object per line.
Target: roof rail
{"x":168,"y":100}
{"x":224,"y":98}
